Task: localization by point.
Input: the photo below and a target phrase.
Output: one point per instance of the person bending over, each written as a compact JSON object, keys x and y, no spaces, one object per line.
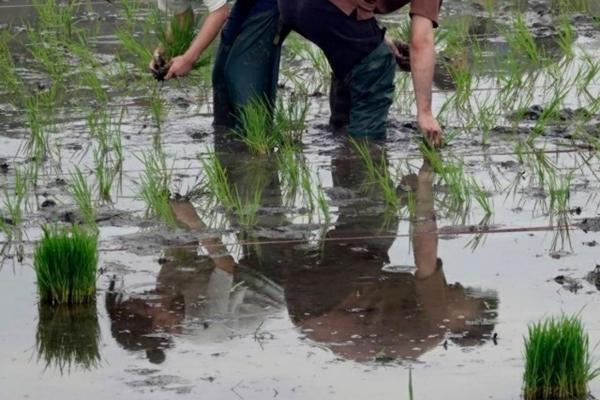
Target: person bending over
{"x":247,"y":62}
{"x":360,"y":57}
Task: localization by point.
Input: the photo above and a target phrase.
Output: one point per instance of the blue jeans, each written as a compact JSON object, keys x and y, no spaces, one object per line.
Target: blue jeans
{"x":247,"y":62}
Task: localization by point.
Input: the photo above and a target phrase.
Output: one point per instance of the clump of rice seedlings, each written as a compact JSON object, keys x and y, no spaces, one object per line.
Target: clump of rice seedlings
{"x":9,"y":78}
{"x":216,"y":179}
{"x":59,"y":18}
{"x":322,"y":203}
{"x":291,"y":168}
{"x":315,"y":76}
{"x":133,"y":48}
{"x":157,"y":108}
{"x":481,"y":197}
{"x":558,"y":363}
{"x":68,"y":337}
{"x":588,"y":73}
{"x":522,"y":42}
{"x":256,"y":127}
{"x":37,"y":145}
{"x":65,"y":263}
{"x":566,"y":36}
{"x":378,"y":174}
{"x":559,"y":189}
{"x":290,"y":116}
{"x":14,"y":200}
{"x":244,"y":205}
{"x":105,"y":175}
{"x":82,"y":194}
{"x":155,"y":185}
{"x":175,"y":33}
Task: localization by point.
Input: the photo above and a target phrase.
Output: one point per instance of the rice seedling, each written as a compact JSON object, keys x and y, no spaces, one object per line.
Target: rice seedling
{"x":558,"y":363}
{"x":481,"y":197}
{"x":65,"y":263}
{"x":157,"y":108}
{"x":216,"y":179}
{"x":246,"y":207}
{"x":82,"y":194}
{"x":559,"y":189}
{"x":290,"y":116}
{"x":378,"y":174}
{"x":15,"y":199}
{"x":291,"y":167}
{"x":10,"y":81}
{"x":155,"y":185}
{"x":522,"y":42}
{"x":315,"y":76}
{"x":59,"y":18}
{"x":68,"y":337}
{"x":106,"y":174}
{"x":566,"y":36}
{"x":134,"y":48}
{"x":255,"y":127}
{"x":322,"y":203}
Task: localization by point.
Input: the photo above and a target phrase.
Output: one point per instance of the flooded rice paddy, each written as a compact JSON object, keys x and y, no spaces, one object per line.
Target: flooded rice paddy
{"x":329,"y":275}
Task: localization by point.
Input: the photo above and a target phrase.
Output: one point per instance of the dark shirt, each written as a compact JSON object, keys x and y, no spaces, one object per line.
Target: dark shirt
{"x":366,"y":9}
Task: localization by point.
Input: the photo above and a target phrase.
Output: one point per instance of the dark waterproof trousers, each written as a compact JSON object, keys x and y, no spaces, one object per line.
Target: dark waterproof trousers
{"x":363,"y":66}
{"x":247,"y":62}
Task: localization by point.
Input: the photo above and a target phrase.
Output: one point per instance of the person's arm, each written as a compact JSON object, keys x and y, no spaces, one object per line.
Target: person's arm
{"x":422,"y":62}
{"x":182,"y":65}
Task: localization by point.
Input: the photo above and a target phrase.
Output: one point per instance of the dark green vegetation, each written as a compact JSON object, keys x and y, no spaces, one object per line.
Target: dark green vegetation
{"x":65,"y":263}
{"x":68,"y":337}
{"x":558,"y":363}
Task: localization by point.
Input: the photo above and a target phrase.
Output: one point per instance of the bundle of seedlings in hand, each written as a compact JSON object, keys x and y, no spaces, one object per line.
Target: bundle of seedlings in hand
{"x":65,"y":263}
{"x":557,"y":360}
{"x":175,"y":37}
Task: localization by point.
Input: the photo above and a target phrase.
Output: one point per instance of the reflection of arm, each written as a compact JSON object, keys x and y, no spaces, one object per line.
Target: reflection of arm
{"x":424,"y":226}
{"x":186,"y":215}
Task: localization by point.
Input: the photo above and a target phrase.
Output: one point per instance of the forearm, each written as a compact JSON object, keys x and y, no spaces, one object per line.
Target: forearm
{"x":208,"y":32}
{"x":422,"y":62}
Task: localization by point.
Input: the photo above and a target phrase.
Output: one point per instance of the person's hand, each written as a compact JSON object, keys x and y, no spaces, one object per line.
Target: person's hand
{"x":430,"y":128}
{"x":179,"y":66}
{"x":393,"y":48}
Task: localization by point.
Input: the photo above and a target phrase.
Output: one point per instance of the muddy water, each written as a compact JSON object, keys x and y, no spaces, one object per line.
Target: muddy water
{"x":295,"y":307}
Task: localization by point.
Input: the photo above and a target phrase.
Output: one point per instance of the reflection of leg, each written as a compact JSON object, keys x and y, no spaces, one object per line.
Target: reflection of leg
{"x":252,"y":66}
{"x":339,"y":103}
{"x":186,"y":215}
{"x":222,"y":108}
{"x":371,"y":93}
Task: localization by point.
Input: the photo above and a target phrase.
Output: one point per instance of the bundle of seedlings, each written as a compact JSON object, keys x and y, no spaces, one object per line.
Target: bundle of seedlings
{"x":65,"y":263}
{"x":403,"y":56}
{"x":558,"y":364}
{"x":68,"y":337}
{"x":175,"y":37}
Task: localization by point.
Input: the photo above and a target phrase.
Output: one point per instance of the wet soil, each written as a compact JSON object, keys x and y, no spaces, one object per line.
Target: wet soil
{"x":295,"y":307}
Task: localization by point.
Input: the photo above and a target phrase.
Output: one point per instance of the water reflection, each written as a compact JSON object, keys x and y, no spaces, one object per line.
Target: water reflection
{"x":338,"y":293}
{"x":349,"y":304}
{"x":67,"y":337}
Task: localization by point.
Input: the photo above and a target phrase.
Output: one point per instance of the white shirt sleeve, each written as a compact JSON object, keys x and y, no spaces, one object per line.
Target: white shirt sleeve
{"x":180,"y":6}
{"x":214,"y":5}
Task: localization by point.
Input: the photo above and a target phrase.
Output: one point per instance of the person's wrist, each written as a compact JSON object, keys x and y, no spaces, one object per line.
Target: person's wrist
{"x":189,"y":58}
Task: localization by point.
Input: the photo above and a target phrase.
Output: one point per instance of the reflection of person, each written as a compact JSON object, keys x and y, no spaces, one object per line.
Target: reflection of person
{"x":349,"y":304}
{"x":206,"y":298}
{"x":247,"y":63}
{"x":354,"y":44}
